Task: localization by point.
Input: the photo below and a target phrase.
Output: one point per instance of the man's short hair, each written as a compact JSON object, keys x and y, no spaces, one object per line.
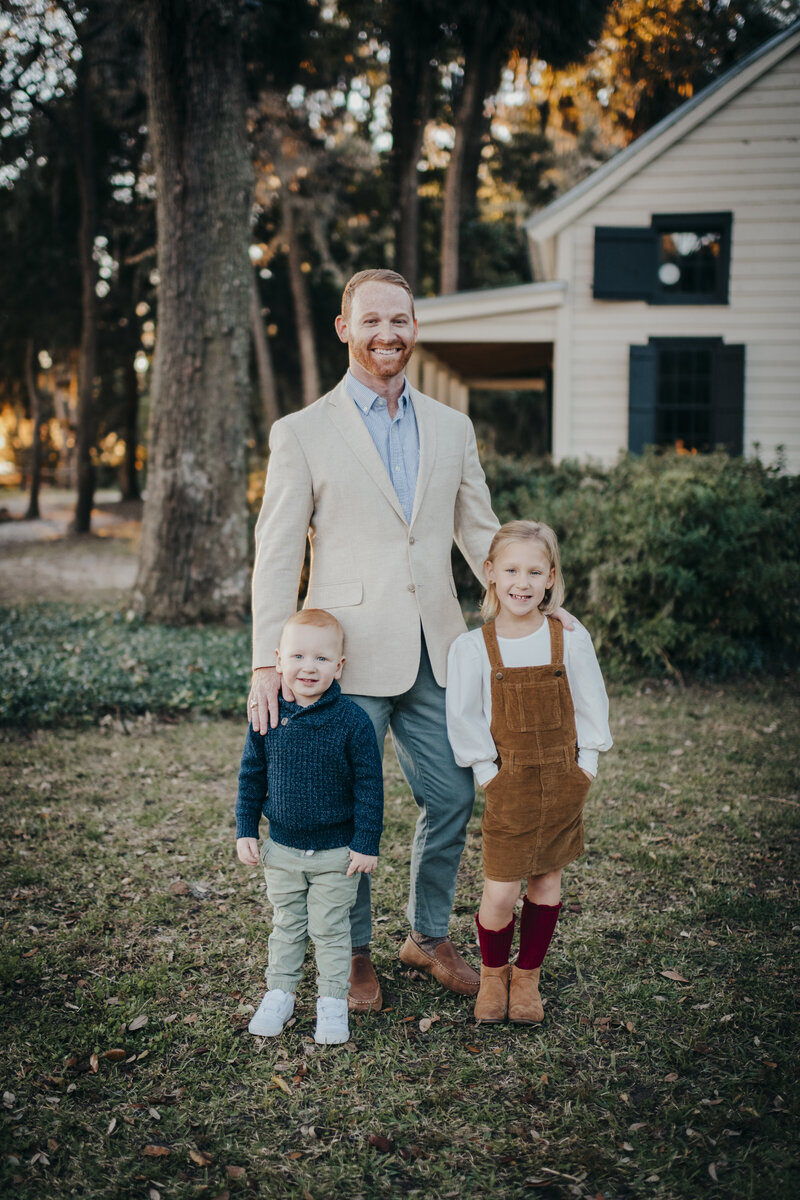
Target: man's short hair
{"x":376,"y":275}
{"x":318,"y":617}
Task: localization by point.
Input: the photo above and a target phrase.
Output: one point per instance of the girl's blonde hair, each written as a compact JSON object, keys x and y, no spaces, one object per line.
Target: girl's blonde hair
{"x":526,"y":531}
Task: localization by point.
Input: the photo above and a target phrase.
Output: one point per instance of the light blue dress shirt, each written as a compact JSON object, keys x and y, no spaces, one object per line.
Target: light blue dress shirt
{"x":396,"y":439}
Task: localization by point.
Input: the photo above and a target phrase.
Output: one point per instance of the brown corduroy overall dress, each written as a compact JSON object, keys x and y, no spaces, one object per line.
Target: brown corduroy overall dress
{"x":533,"y":819}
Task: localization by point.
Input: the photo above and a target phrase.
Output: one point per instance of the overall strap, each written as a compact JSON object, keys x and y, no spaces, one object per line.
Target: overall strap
{"x":492,"y":648}
{"x":556,"y":640}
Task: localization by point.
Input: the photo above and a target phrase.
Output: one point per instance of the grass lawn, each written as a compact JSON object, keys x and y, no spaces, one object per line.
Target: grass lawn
{"x":134,"y":947}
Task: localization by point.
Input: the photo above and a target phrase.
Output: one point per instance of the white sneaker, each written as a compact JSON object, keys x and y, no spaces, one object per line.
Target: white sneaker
{"x":332,"y":1024}
{"x":272,"y":1014}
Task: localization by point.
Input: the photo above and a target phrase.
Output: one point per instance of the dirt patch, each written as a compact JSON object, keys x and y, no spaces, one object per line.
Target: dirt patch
{"x":42,"y":561}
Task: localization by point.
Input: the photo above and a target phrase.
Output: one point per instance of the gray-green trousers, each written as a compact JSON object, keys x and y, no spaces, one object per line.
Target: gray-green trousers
{"x":310,"y":895}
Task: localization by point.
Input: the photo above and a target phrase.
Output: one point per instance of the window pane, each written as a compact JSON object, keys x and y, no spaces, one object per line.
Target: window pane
{"x":689,"y":262}
{"x":683,"y":405}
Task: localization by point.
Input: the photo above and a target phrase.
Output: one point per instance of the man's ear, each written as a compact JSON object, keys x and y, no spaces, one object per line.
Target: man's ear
{"x":341,"y":328}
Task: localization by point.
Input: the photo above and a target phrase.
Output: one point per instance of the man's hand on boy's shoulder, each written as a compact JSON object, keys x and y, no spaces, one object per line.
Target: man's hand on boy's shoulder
{"x":365,"y":863}
{"x":247,"y":849}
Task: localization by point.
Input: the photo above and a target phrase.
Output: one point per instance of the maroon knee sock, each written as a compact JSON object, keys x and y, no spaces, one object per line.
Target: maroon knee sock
{"x":536,"y":928}
{"x":495,"y":943}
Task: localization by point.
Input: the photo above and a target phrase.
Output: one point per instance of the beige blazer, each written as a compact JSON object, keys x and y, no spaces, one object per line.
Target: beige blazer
{"x":382,"y":577}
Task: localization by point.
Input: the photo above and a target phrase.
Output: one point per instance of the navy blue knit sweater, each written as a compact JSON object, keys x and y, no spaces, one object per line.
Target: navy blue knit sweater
{"x":317,"y":777}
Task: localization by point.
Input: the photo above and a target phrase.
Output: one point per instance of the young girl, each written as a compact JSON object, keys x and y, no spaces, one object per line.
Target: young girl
{"x":527,"y":710}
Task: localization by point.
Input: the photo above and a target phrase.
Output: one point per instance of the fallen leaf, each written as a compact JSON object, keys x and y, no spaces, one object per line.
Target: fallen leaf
{"x":154,"y":1150}
{"x":223,"y":1195}
{"x":473,"y":1049}
{"x":137,"y":1023}
{"x":384,"y":1144}
{"x":154,"y":1113}
{"x":172,"y":1017}
{"x":673,"y":1075}
{"x":426,"y":1023}
{"x":112,"y":1125}
{"x":235,"y":1172}
{"x":295,"y":1155}
{"x":712,"y":1170}
{"x":179,"y":888}
{"x":673,"y":975}
{"x":276,"y":1081}
{"x":153,"y":1194}
{"x":201,"y":1158}
{"x":115,"y":1055}
{"x":191,"y":1018}
{"x":637,"y":1125}
{"x":94,"y":1063}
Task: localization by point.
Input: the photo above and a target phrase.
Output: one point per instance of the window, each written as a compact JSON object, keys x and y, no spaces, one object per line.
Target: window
{"x":678,"y":259}
{"x":686,"y":392}
{"x":693,"y":259}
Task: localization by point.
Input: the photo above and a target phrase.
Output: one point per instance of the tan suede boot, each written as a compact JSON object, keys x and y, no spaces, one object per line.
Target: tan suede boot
{"x":491,"y":1004}
{"x":524,"y":1002}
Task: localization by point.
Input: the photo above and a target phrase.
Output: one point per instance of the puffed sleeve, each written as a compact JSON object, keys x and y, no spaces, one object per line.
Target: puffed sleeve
{"x":588,"y":696}
{"x":467,"y":721}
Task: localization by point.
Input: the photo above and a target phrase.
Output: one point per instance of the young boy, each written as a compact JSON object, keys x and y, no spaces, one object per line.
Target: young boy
{"x":318,"y":779}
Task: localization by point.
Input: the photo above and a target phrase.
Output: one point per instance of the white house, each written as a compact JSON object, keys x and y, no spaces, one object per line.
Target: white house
{"x":666,"y":307}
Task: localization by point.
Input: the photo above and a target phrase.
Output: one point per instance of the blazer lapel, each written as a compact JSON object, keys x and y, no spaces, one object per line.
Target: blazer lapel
{"x":425,"y":413}
{"x":347,"y":419}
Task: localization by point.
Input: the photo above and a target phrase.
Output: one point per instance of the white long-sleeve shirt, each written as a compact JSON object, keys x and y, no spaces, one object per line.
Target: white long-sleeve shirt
{"x":469,"y":695}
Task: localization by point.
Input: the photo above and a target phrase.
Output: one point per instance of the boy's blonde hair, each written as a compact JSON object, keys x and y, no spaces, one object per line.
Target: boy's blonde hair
{"x":318,"y":617}
{"x":526,"y":531}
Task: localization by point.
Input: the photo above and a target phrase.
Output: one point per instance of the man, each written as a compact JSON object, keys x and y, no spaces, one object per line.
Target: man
{"x":381,"y":479}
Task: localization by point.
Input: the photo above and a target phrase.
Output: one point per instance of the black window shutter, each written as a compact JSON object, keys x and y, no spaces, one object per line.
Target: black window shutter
{"x":624,"y":263}
{"x":727,"y":398}
{"x":642,"y":392}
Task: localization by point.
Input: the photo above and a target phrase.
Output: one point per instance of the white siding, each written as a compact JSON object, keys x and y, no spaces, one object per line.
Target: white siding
{"x":744,"y":159}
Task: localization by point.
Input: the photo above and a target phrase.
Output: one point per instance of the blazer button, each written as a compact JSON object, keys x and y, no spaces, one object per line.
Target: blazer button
{"x":411,"y":587}
{"x":558,"y":672}
{"x":284,"y":720}
{"x":411,"y":541}
{"x":499,"y":675}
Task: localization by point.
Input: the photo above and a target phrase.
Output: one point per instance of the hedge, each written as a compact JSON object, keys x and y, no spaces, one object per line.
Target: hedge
{"x":674,"y":562}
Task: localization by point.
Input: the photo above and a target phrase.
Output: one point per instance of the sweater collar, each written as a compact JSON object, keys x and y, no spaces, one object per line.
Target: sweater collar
{"x":292,"y":709}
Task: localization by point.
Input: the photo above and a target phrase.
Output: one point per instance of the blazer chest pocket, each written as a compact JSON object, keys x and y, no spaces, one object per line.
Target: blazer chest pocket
{"x":335,"y":595}
{"x":531,"y":706}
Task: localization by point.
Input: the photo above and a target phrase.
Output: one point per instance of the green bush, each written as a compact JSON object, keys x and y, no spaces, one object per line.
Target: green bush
{"x":61,"y":662}
{"x":674,"y":562}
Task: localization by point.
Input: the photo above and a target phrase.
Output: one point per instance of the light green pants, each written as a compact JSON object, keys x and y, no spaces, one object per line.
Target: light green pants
{"x":310,"y":895}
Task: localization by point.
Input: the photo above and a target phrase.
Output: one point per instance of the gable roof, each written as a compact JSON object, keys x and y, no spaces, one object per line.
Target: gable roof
{"x":606,"y":179}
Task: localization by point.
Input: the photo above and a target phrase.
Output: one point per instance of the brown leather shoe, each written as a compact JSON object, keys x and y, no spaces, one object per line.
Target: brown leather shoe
{"x":444,"y":963}
{"x":491,"y":1006}
{"x":365,"y":991}
{"x":524,"y":1002}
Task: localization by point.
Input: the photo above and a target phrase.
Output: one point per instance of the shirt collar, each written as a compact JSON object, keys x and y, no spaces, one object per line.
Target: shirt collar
{"x":365,"y":397}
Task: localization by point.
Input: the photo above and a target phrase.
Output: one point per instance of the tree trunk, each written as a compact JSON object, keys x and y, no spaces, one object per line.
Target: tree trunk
{"x":193,"y":559}
{"x":87,"y":354}
{"x":267,"y":388}
{"x":412,"y":77}
{"x":130,"y":479}
{"x":37,"y":414}
{"x":301,"y":302}
{"x":478,"y":71}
